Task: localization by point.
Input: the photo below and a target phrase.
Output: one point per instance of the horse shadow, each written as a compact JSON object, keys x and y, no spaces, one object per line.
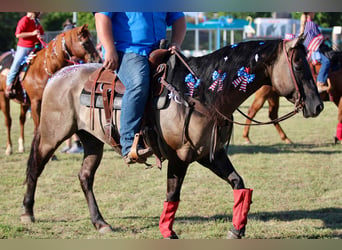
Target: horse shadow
{"x":281,"y":148}
{"x":331,"y":218}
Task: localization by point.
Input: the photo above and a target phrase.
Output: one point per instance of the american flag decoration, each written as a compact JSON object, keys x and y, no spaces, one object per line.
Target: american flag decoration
{"x":244,"y":78}
{"x":191,"y":83}
{"x":218,"y":79}
{"x":314,"y":45}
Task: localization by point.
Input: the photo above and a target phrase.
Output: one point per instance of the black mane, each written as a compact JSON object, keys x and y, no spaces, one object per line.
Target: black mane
{"x":254,"y":55}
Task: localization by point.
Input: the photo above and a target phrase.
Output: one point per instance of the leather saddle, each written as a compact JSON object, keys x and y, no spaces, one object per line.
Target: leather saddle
{"x":104,"y":90}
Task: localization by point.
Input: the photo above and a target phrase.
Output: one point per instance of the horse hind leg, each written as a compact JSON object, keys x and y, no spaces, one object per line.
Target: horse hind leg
{"x":224,"y":169}
{"x":253,"y":109}
{"x":93,"y":151}
{"x":35,"y":166}
{"x":23,"y":111}
{"x":273,"y":108}
{"x":5,"y":107}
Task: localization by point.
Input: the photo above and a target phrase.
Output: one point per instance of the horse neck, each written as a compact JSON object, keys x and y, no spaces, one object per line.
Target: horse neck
{"x":54,"y":55}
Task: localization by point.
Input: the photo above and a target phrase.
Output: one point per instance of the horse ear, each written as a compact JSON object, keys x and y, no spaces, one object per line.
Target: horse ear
{"x":294,"y":42}
{"x":83,"y":30}
{"x":84,"y":27}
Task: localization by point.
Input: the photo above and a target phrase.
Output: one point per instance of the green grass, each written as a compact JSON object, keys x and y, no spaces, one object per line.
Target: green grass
{"x":297,"y":188}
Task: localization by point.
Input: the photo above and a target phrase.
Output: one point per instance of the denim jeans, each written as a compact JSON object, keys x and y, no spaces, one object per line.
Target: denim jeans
{"x":18,"y":59}
{"x":134,"y":72}
{"x":324,"y":70}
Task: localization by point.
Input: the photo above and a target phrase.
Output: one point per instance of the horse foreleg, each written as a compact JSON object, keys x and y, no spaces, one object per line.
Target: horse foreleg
{"x":5,"y":107}
{"x":273,"y":108}
{"x":224,"y":169}
{"x":93,"y":151}
{"x":253,"y":109}
{"x":338,"y":136}
{"x":175,"y":178}
{"x":22,"y":118}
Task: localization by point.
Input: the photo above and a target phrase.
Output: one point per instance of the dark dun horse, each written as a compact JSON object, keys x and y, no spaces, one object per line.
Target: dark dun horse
{"x":268,"y":93}
{"x":195,"y":126}
{"x":60,"y":52}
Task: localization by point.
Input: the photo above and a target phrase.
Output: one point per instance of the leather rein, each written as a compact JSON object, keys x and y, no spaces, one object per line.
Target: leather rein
{"x":299,"y":104}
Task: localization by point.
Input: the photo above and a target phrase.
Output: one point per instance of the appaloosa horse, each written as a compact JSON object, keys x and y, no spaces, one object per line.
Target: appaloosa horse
{"x":60,"y":52}
{"x":268,"y":93}
{"x":195,"y":126}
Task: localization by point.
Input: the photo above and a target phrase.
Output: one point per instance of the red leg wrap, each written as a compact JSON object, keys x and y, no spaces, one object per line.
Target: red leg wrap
{"x":167,"y":218}
{"x":242,"y":202}
{"x":339,"y":131}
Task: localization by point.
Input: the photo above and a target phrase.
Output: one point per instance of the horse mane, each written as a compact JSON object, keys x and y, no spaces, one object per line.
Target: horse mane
{"x":255,"y":55}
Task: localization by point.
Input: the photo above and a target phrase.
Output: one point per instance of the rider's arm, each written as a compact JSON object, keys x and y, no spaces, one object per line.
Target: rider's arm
{"x":104,"y":32}
{"x":178,"y":32}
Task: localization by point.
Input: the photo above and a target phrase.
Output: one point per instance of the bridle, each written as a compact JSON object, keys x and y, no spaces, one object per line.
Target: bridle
{"x":299,"y":103}
{"x":65,"y":51}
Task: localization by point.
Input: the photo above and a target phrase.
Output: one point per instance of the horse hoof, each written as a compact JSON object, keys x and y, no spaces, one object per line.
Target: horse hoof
{"x":105,"y":230}
{"x":27,"y":219}
{"x":248,"y":142}
{"x":54,"y":158}
{"x":232,"y":236}
{"x":21,"y":148}
{"x":288,"y":141}
{"x":9,"y":151}
{"x":172,"y":237}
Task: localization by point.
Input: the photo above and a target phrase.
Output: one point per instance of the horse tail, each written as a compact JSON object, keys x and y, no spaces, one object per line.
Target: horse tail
{"x":32,"y":163}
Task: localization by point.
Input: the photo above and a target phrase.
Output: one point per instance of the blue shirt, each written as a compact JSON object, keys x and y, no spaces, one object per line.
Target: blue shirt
{"x":140,"y":32}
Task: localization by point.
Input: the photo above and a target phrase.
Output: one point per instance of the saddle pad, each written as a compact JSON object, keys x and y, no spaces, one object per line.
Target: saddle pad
{"x":160,"y":102}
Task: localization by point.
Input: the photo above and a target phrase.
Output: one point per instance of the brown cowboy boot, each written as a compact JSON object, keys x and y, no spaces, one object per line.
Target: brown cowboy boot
{"x":138,"y":154}
{"x":142,"y":155}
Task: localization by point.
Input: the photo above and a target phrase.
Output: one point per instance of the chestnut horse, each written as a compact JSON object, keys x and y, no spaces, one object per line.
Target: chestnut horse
{"x":59,"y":52}
{"x":268,"y":93}
{"x":6,"y":60}
{"x":195,"y":126}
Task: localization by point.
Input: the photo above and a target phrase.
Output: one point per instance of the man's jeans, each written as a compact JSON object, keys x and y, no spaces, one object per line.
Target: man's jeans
{"x":18,"y":59}
{"x":324,"y":70}
{"x":134,"y":72}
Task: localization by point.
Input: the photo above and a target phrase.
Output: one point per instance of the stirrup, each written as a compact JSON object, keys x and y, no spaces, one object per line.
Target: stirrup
{"x":137,"y":155}
{"x":142,"y":155}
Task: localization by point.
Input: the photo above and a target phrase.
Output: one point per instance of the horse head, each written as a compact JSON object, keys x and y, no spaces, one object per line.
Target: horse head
{"x":81,"y":45}
{"x":291,"y":77}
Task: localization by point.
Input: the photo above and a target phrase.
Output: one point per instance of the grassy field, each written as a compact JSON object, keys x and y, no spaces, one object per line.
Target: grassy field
{"x":297,"y":188}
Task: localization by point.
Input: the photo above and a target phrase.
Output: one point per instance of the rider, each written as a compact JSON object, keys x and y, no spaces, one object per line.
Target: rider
{"x":127,"y":39}
{"x":313,"y":40}
{"x":29,"y":32}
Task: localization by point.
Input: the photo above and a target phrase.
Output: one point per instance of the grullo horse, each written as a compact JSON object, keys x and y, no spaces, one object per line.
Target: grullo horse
{"x":195,"y":126}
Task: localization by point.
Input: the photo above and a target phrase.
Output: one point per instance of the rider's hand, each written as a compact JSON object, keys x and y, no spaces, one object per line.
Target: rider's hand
{"x":111,"y":60}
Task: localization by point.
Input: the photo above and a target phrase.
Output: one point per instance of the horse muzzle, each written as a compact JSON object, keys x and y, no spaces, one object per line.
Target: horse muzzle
{"x":313,"y":110}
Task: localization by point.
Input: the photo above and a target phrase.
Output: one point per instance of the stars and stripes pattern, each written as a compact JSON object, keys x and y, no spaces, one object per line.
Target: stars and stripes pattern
{"x":191,"y":83}
{"x":218,"y":79}
{"x":244,"y":78}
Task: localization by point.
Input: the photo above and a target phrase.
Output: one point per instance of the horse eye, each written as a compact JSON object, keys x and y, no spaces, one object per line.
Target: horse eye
{"x":298,"y":67}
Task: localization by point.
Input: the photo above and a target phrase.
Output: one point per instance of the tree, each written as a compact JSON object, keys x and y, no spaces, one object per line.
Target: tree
{"x":53,"y":21}
{"x":8,"y":24}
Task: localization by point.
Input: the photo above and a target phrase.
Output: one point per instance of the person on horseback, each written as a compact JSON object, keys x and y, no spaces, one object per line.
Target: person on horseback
{"x":312,"y":42}
{"x":127,"y":39}
{"x":29,"y":32}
